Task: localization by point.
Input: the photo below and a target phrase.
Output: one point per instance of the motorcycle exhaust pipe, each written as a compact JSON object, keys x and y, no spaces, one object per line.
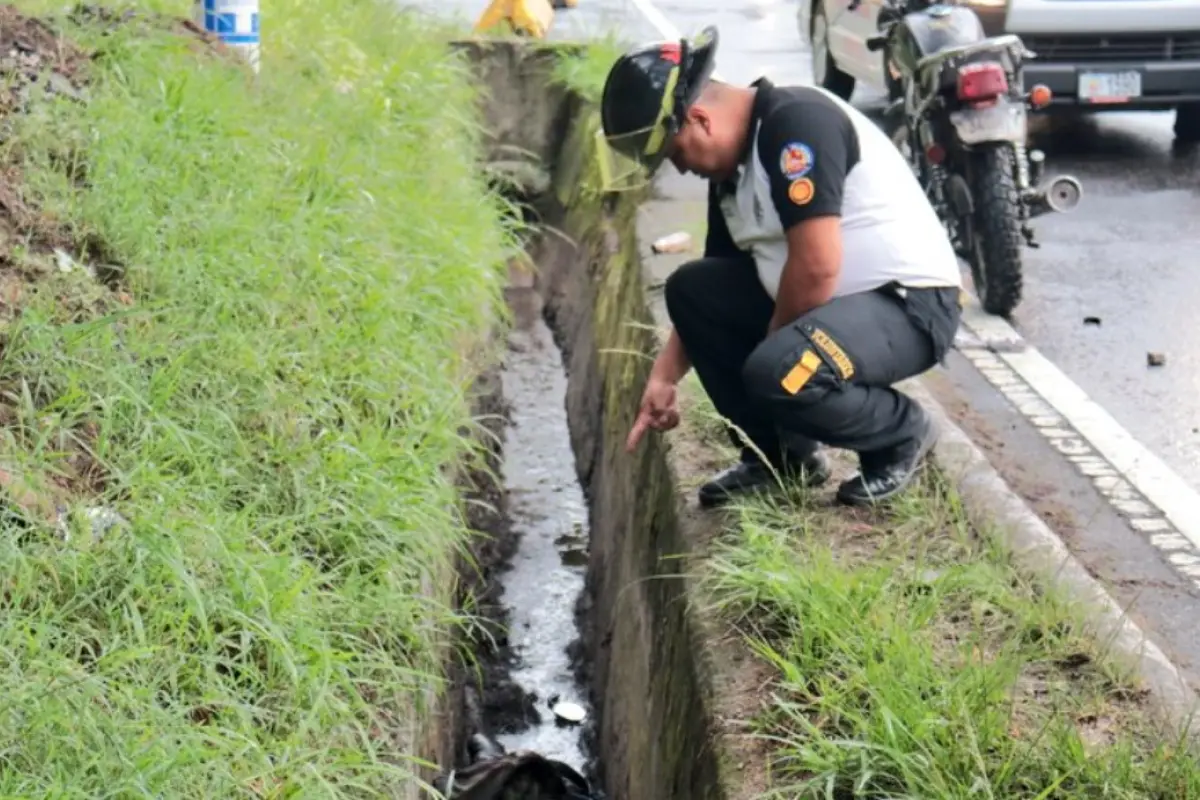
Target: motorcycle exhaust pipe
{"x":1058,"y":195}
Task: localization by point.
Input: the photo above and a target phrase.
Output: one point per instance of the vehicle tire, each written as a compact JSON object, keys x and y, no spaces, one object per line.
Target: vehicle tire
{"x":996,"y":262}
{"x":825,"y":72}
{"x":1187,"y":123}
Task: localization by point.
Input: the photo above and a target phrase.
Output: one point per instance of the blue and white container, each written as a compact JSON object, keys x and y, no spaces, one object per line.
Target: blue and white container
{"x":234,"y":22}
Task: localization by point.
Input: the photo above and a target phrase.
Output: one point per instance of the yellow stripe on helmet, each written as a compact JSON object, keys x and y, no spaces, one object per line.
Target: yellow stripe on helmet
{"x":659,"y":133}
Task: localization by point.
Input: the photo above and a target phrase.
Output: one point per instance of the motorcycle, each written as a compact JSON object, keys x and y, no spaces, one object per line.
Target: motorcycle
{"x":959,"y":113}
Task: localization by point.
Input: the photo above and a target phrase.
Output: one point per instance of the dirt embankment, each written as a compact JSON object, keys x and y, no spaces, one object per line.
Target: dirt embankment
{"x":44,"y":260}
{"x":48,"y":266}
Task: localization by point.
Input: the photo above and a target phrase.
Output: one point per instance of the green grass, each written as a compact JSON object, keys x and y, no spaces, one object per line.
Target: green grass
{"x":587,"y":71}
{"x":310,"y":255}
{"x":912,"y":660}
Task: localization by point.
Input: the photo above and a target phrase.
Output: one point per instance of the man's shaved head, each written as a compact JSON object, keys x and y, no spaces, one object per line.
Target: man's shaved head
{"x":716,"y":92}
{"x":713,"y":135}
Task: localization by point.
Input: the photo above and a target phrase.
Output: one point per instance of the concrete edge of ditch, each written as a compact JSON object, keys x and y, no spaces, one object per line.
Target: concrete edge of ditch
{"x":664,"y":688}
{"x":665,"y":684}
{"x":992,"y":505}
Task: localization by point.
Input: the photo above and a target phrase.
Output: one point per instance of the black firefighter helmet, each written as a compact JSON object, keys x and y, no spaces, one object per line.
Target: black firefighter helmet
{"x":648,"y":92}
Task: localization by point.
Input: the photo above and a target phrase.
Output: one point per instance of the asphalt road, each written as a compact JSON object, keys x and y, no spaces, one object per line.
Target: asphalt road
{"x":1129,"y":256}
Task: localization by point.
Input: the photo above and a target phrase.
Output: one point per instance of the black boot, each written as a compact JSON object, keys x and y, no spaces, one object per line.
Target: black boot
{"x":751,"y":476}
{"x":885,"y":473}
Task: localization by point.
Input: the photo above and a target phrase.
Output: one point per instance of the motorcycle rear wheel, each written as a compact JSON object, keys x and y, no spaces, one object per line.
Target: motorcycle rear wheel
{"x":996,"y":241}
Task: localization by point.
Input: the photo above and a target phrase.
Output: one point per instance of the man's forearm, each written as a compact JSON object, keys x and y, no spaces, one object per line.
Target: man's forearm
{"x":788,"y":310}
{"x":672,"y":362}
{"x":797,"y":296}
{"x":790,"y":306}
{"x":810,"y":275}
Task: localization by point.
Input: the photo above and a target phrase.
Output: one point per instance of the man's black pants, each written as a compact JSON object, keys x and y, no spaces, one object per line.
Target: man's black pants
{"x":827,"y":377}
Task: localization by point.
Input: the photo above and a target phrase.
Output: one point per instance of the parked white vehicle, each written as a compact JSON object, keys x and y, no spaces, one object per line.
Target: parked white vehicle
{"x":1094,"y":55}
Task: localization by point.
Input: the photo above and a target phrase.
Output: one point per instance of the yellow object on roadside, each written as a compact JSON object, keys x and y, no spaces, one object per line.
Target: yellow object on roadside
{"x":528,"y":17}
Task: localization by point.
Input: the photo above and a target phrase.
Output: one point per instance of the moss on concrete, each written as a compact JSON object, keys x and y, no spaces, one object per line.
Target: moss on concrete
{"x":657,"y":688}
{"x":660,"y":676}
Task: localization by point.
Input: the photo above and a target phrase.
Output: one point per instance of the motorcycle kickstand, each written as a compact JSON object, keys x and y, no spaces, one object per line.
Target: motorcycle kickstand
{"x":1027,"y":232}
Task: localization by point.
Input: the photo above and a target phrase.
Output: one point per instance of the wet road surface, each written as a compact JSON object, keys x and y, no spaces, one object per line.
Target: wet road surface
{"x":1129,"y":255}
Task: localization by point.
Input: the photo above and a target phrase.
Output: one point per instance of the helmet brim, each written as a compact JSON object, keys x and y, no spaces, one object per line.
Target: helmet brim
{"x":626,"y":150}
{"x":702,"y":51}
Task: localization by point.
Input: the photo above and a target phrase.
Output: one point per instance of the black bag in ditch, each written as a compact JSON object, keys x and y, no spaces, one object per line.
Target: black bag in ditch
{"x":523,"y":775}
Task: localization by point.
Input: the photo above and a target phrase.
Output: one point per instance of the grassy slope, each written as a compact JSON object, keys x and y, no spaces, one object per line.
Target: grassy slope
{"x":913,"y":661}
{"x":308,"y":255}
{"x":587,"y":71}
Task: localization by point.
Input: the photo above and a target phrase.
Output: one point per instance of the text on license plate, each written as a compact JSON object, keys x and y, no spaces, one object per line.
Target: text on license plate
{"x":1109,"y":87}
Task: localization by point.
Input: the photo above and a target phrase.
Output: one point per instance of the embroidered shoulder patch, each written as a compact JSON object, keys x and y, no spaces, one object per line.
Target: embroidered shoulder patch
{"x":796,"y":160}
{"x":801,"y":191}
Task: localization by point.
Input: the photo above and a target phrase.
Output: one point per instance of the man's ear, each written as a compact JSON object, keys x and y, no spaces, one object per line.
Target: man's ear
{"x":698,"y":115}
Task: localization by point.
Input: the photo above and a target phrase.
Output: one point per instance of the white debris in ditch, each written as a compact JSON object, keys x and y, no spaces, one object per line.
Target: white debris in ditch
{"x":100,"y":521}
{"x":569,"y":712}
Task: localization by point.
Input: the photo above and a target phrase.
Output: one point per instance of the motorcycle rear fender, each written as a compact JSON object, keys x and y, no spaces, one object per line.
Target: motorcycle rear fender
{"x":1006,"y":121}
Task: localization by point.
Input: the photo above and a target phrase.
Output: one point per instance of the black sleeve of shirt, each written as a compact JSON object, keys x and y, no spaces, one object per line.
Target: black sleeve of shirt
{"x":718,"y":242}
{"x":807,"y":148}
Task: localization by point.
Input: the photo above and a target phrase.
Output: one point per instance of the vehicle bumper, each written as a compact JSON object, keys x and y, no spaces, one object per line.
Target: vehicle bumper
{"x":1163,"y":84}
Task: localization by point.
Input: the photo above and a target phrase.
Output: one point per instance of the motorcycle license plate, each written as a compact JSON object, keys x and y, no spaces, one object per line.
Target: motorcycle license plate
{"x":1110,"y":87}
{"x":1002,"y":122}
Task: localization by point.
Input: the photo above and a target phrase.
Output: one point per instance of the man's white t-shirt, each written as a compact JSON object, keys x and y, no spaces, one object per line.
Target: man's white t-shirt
{"x":810,"y":154}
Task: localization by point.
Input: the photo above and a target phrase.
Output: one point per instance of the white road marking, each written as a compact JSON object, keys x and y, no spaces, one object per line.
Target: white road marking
{"x":663,"y":25}
{"x":1140,"y":486}
{"x":1153,"y":498}
{"x":1157,"y":482}
{"x":657,"y":19}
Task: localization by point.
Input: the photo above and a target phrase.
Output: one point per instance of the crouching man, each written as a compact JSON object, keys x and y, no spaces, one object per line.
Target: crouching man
{"x":826,"y":276}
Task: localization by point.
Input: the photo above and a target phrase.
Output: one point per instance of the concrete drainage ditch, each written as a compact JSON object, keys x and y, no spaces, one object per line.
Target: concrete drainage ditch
{"x":643,"y":669}
{"x":664,"y":690}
